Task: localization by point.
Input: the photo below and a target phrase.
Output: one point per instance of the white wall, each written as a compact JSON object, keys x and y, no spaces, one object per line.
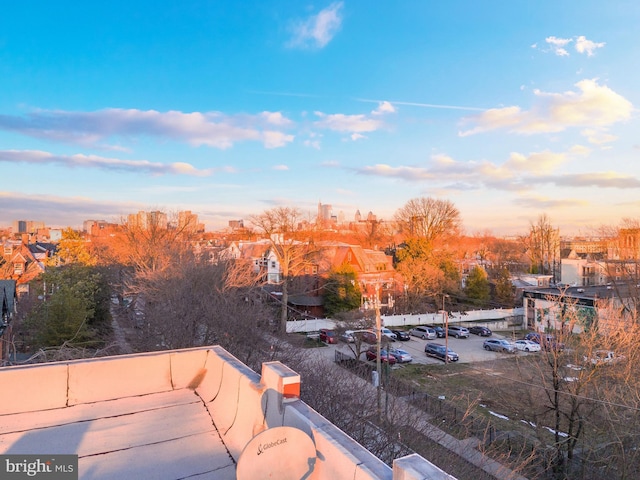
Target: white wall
{"x":496,"y":319}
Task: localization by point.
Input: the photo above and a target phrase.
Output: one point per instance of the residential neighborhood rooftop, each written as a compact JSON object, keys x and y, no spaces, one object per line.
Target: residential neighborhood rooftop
{"x":193,"y":413}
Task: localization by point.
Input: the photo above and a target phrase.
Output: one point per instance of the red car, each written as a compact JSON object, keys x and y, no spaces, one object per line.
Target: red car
{"x":384,"y":356}
{"x":328,"y":336}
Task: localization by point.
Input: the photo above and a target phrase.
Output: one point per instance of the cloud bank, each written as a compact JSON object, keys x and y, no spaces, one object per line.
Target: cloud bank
{"x":593,"y":105}
{"x":38,"y":157}
{"x":212,"y":129}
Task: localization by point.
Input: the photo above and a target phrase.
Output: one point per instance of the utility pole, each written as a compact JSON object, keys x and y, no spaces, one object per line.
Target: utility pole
{"x":445,"y":319}
{"x":378,"y":348}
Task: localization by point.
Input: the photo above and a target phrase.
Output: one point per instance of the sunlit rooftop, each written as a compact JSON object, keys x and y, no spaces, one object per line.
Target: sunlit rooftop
{"x":194,"y":413}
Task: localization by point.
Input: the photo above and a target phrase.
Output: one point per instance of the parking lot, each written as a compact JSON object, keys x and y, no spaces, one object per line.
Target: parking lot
{"x":468,"y":349}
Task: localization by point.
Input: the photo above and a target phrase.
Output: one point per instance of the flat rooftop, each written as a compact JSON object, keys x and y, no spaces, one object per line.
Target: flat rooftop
{"x":179,"y":414}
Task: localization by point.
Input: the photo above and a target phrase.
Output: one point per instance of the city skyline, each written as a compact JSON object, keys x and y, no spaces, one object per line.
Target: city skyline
{"x":508,"y":111}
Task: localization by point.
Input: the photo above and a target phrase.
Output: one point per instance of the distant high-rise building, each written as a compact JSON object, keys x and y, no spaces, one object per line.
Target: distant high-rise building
{"x":87,"y":225}
{"x":236,"y":224}
{"x":188,"y":221}
{"x":324,"y":212}
{"x":147,"y":220}
{"x":26,"y":226}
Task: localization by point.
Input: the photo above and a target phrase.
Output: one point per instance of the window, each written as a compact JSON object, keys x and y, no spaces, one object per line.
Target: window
{"x":273,"y":264}
{"x":18,"y":268}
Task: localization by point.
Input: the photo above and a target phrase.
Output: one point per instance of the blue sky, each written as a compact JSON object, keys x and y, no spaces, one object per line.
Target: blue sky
{"x":507,"y":109}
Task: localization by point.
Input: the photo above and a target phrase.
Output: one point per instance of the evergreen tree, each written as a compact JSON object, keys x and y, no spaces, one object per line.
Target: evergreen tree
{"x":477,"y":289}
{"x":504,"y":289}
{"x":74,"y":310}
{"x":342,"y":291}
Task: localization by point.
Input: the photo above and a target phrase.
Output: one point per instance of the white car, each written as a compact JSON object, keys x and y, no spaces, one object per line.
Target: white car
{"x":527,"y":346}
{"x":388,"y":333}
{"x":605,"y":357}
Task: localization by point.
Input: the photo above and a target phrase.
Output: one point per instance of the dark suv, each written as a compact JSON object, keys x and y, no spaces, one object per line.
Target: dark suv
{"x":438,"y":350}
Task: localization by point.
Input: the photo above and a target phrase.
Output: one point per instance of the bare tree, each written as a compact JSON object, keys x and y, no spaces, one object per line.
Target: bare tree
{"x":543,"y":243}
{"x":428,"y":219}
{"x":291,"y":243}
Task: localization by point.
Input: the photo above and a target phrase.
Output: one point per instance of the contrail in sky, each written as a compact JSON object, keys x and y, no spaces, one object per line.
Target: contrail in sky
{"x":423,"y":105}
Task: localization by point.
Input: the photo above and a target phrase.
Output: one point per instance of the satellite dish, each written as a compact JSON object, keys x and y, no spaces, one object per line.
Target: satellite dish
{"x":279,"y":453}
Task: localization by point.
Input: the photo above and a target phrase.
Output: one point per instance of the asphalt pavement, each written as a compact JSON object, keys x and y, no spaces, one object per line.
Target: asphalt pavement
{"x":468,"y":349}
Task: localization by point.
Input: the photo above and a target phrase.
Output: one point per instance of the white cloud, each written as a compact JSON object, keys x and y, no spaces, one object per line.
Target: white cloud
{"x":357,"y":136}
{"x":347,"y":123}
{"x":519,"y":173}
{"x":38,"y":157}
{"x":593,"y":105}
{"x":212,"y":129}
{"x":587,"y":46}
{"x":580,"y":150}
{"x":598,"y":137}
{"x":384,"y":107}
{"x":312,"y":143}
{"x":557,"y":45}
{"x":536,"y":163}
{"x":276,"y":118}
{"x":273,"y":139}
{"x":281,"y":167}
{"x":318,"y":30}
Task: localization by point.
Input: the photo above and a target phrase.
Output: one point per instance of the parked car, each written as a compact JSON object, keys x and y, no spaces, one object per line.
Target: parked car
{"x":425,"y":333}
{"x":527,"y":345}
{"x":372,"y":354}
{"x":328,"y":336}
{"x":499,"y":345}
{"x":401,"y":356}
{"x":402,"y":335}
{"x":533,"y":336}
{"x":546,"y":341}
{"x":604,"y":357}
{"x":458,"y":332}
{"x":441,"y":352}
{"x":368,"y":337}
{"x":388,"y":333}
{"x":440,"y":333}
{"x":348,"y":337}
{"x":482,"y":331}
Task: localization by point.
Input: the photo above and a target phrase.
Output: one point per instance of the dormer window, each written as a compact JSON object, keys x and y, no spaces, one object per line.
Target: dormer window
{"x":18,"y":268}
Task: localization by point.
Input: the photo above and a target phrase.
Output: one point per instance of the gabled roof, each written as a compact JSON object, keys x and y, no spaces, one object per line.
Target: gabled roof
{"x":363,"y":260}
{"x":21,"y":253}
{"x":41,"y":250}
